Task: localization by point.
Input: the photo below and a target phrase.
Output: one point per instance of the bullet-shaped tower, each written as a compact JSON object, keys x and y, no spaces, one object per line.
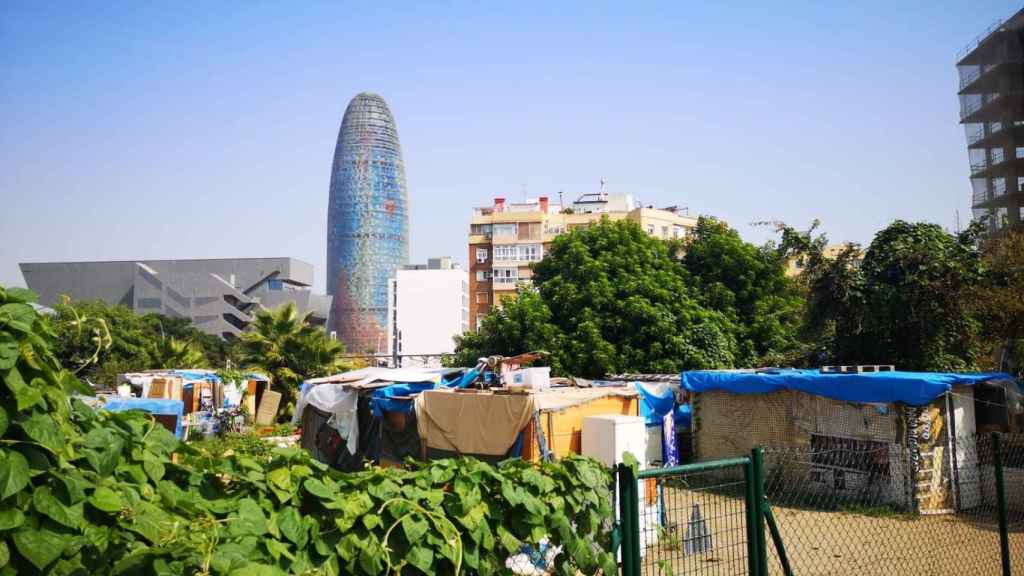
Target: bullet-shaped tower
{"x":367,"y":223}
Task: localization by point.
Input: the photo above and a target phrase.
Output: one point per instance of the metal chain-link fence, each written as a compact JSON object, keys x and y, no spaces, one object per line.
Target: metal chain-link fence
{"x":692,"y":519}
{"x":837,"y":506}
{"x":857,"y":507}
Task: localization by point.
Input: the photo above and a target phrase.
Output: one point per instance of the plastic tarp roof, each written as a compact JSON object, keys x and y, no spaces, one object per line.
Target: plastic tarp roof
{"x":656,"y":400}
{"x":913,"y":388}
{"x":384,"y":399}
{"x":160,"y":406}
{"x":379,"y":377}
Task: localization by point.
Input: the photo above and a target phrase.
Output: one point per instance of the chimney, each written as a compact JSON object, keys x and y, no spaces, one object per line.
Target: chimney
{"x":544,"y":204}
{"x":499,"y":204}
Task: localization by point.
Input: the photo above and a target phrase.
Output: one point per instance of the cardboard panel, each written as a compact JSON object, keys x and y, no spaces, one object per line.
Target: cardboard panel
{"x":267,"y":411}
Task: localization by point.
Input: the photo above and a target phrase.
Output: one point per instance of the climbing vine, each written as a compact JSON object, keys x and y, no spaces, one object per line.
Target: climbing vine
{"x":86,"y":491}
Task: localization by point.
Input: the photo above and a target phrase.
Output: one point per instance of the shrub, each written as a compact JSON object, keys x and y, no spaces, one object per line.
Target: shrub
{"x":94,"y":492}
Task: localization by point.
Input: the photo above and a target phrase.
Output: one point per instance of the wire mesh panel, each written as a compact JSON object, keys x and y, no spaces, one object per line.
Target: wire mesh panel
{"x":693,"y":522}
{"x":847,"y":506}
{"x":1013,"y":485}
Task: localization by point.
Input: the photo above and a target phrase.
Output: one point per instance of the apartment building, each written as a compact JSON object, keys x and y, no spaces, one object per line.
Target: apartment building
{"x":991,"y":71}
{"x":428,"y":305}
{"x":506,"y":238}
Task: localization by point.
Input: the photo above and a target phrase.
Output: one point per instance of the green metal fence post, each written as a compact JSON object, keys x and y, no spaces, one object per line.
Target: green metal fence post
{"x":630,"y":521}
{"x":1004,"y":532}
{"x":757,"y":463}
{"x":751,"y":508}
{"x":780,"y":548}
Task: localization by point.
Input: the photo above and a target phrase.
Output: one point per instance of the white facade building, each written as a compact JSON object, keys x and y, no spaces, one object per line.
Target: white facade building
{"x":428,"y":305}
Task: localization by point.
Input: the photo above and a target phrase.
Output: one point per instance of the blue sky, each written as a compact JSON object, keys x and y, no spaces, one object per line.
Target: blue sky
{"x":187,"y":130}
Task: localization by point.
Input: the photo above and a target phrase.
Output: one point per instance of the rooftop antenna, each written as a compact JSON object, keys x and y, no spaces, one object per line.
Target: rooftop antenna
{"x":957,"y":220}
{"x":604,"y":191}
{"x":561,"y":201}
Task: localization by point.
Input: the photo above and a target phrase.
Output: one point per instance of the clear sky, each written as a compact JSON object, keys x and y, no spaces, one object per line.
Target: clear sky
{"x":186,"y":130}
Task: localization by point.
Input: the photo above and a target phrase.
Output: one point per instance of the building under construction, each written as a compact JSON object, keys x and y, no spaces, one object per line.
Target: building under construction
{"x":991,"y":73}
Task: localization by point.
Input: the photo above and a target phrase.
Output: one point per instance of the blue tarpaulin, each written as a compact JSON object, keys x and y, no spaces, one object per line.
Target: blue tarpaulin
{"x":160,"y":406}
{"x":683,"y":416}
{"x":384,"y":400}
{"x":655,"y":402}
{"x":913,"y":388}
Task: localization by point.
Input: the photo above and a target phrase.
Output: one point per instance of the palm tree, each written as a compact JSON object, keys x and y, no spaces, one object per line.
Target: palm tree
{"x":169,"y":353}
{"x":289,"y":350}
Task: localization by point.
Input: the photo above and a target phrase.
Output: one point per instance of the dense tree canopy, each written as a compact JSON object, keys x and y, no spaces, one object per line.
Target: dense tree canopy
{"x":624,"y":304}
{"x":906,"y":303}
{"x":747,"y":284}
{"x":609,"y":298}
{"x":520,"y":324}
{"x":101,"y":340}
{"x":998,"y":301}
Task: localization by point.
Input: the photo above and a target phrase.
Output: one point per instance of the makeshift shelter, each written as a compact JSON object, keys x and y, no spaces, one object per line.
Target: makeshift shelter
{"x":904,"y":424}
{"x":202,"y":394}
{"x":365,"y":414}
{"x":495,"y":424}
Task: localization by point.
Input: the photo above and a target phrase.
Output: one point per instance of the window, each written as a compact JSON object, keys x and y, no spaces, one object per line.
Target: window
{"x":479,"y":321}
{"x":275,"y":285}
{"x":678,"y":231}
{"x":664,"y":231}
{"x":529,"y":231}
{"x":480,"y":229}
{"x":483,"y":297}
{"x":530,"y":252}
{"x":483,"y":275}
{"x":650,"y":229}
{"x":481,"y":255}
{"x":1002,"y":217}
{"x":505,"y":253}
{"x":505,"y":230}
{"x":506,"y":275}
{"x":150,"y":303}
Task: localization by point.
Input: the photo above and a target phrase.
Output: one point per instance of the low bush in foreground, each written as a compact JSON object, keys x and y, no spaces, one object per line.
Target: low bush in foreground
{"x":92,"y":492}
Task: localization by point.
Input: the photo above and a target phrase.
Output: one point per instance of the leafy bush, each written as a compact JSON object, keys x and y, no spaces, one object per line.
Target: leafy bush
{"x":93,"y":492}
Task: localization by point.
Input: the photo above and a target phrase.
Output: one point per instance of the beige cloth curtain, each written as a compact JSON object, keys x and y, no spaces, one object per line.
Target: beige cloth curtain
{"x":472,"y":423}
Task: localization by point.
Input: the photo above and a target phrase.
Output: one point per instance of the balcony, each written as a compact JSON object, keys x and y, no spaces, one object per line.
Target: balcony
{"x":973,"y":111}
{"x":979,"y":135}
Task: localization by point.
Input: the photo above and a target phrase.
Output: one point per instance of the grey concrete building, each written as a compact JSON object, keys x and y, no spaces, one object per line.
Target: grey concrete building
{"x":219,"y":296}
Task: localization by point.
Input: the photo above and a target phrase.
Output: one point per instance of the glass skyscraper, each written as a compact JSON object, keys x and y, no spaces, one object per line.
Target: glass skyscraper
{"x":367,"y":223}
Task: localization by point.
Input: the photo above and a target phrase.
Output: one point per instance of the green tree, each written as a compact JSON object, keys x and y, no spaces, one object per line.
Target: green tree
{"x":747,"y":284}
{"x":998,"y":301}
{"x":218,"y":352}
{"x":101,"y":340}
{"x":78,"y":328}
{"x":172,"y":353}
{"x":520,"y":324}
{"x":290,"y":349}
{"x":624,"y":304}
{"x":906,"y":303}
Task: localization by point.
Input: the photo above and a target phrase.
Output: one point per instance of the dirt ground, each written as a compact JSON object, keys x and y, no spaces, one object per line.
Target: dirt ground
{"x":819,"y":543}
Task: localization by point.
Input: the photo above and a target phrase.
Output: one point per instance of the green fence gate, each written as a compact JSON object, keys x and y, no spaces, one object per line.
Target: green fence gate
{"x":694,"y":519}
{"x":715,"y":518}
